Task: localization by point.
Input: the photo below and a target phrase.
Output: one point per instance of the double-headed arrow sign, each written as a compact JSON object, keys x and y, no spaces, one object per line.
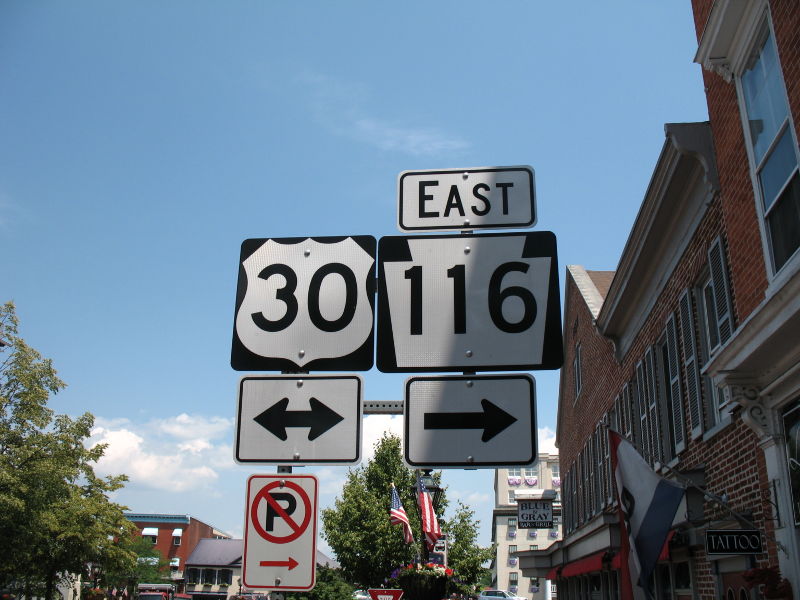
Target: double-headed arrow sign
{"x":319,"y":419}
{"x":462,"y":421}
{"x":299,"y":419}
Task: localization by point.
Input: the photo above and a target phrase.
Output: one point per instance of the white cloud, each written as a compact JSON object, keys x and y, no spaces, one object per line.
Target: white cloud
{"x":338,"y":106}
{"x":176,"y":454}
{"x":374,"y":428}
{"x":547,"y":440}
{"x":196,"y":427}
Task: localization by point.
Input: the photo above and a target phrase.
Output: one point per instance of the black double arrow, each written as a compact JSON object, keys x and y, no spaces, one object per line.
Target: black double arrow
{"x":492,"y":420}
{"x":277,"y":418}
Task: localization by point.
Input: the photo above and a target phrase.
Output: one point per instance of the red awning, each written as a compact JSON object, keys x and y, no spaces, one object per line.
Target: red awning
{"x":584,"y":565}
{"x":552,"y":574}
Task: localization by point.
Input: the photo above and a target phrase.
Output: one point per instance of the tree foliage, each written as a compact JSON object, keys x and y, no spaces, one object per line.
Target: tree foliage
{"x":55,"y":514}
{"x":367,"y":546}
{"x":330,"y":585}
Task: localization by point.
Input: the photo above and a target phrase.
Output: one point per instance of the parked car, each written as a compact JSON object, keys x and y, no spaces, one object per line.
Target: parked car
{"x":361,"y":595}
{"x":498,"y":595}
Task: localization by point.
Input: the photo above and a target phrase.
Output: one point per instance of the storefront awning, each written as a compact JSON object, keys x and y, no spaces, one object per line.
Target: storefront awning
{"x":150,"y":531}
{"x":584,"y":565}
{"x":594,"y":562}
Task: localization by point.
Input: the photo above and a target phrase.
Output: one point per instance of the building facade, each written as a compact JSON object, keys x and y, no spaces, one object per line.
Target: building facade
{"x":539,"y":480}
{"x":690,"y":348}
{"x":174,"y":536}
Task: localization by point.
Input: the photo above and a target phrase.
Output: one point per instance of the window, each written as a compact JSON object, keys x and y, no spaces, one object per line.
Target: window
{"x":225,"y":576}
{"x":208,"y":576}
{"x":512,"y":548}
{"x":512,"y":499}
{"x":150,"y":533}
{"x":515,"y":472}
{"x":177,"y":533}
{"x":513,"y":578}
{"x":773,"y":150}
{"x":533,"y":547}
{"x":691,"y":362}
{"x":532,"y":471}
{"x":554,"y":472}
{"x":512,"y":527}
{"x":716,"y":324}
{"x":669,"y":391}
{"x":192,"y":575}
{"x":576,"y":370}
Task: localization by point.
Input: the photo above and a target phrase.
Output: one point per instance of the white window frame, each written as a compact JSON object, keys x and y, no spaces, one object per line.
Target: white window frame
{"x":753,"y":37}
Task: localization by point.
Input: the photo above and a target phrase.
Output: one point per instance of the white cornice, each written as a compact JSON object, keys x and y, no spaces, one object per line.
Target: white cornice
{"x":726,"y":35}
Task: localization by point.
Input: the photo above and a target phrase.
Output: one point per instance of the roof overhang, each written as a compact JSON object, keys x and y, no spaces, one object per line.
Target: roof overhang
{"x":683,"y":183}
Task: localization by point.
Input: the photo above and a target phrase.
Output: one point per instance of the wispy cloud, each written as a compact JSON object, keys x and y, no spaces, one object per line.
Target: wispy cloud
{"x":342,"y":108}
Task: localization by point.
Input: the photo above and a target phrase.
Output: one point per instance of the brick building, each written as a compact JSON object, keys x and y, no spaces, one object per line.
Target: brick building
{"x":691,"y":348}
{"x":175,"y":536}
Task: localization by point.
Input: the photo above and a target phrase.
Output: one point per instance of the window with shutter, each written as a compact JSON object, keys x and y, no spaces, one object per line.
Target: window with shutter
{"x":642,"y":412}
{"x":673,"y":386}
{"x":721,"y":292}
{"x":653,"y":413}
{"x":691,"y":363}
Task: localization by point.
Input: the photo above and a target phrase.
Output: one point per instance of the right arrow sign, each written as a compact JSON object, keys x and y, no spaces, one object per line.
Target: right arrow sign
{"x":470,"y":421}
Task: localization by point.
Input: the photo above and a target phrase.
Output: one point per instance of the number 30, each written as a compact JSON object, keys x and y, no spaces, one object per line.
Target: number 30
{"x":286,"y":294}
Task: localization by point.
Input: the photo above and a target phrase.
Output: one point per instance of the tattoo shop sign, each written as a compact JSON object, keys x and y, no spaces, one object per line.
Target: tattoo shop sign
{"x":733,"y":541}
{"x":535,"y":514}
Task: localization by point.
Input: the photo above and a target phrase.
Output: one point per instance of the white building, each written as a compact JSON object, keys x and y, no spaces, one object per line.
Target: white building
{"x":533,"y":482}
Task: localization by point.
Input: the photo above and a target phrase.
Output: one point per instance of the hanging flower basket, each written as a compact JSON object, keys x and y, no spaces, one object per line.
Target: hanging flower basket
{"x":422,"y":582}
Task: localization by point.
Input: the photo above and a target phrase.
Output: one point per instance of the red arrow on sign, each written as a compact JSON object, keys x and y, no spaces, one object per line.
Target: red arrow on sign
{"x":385,"y":594}
{"x":291,"y":563}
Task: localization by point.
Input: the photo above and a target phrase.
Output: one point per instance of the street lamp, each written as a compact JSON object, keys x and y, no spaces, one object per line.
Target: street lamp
{"x":435,"y":492}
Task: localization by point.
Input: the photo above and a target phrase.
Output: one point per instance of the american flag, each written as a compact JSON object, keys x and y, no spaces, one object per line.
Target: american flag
{"x":398,"y":516}
{"x":430,"y":525}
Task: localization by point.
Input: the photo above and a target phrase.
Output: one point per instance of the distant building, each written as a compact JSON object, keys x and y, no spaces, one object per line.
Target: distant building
{"x":175,"y":536}
{"x":214,"y":570}
{"x":533,"y":482}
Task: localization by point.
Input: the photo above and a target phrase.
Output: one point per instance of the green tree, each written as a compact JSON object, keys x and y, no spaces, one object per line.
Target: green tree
{"x":367,"y":546}
{"x":464,"y":555}
{"x":330,"y":585}
{"x":150,"y":565}
{"x":55,"y":514}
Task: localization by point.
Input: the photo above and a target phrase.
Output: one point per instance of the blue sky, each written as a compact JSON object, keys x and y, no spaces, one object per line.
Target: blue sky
{"x":142,"y":142}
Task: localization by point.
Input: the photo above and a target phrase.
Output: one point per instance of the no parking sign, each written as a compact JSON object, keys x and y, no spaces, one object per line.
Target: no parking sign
{"x":280,"y":532}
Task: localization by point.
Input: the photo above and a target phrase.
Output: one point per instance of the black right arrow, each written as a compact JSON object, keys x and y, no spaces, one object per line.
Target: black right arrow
{"x":492,"y":420}
{"x":276,"y":418}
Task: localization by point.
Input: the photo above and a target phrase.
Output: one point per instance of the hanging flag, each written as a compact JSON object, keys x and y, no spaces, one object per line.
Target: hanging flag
{"x":398,"y":516}
{"x":430,"y":525}
{"x":647,"y":505}
{"x":114,"y":592}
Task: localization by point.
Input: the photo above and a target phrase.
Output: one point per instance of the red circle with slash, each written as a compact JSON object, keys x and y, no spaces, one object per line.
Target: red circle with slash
{"x":297,"y":530}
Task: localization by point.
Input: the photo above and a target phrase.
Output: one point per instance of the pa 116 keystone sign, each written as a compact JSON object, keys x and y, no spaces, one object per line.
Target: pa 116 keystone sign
{"x":485,"y":302}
